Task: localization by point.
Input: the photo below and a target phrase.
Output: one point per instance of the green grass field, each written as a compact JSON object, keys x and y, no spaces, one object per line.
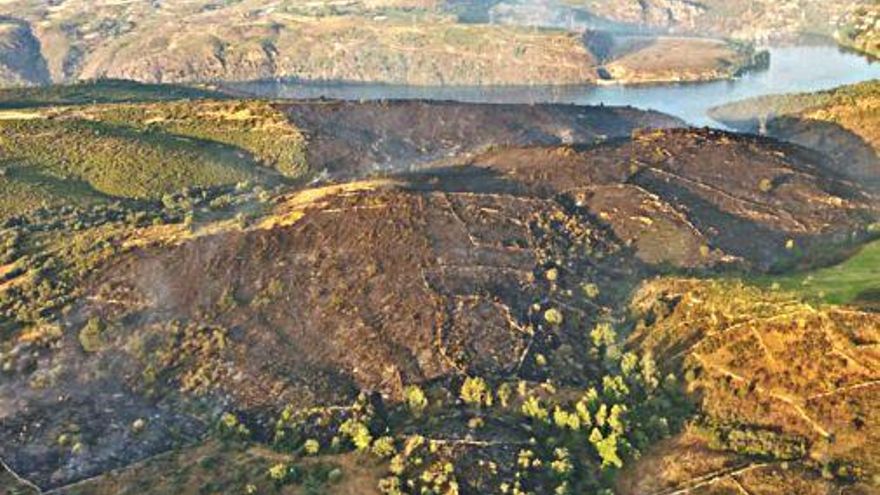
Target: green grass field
{"x":86,"y":143}
{"x":116,"y":160}
{"x":253,"y":126}
{"x":856,"y":280}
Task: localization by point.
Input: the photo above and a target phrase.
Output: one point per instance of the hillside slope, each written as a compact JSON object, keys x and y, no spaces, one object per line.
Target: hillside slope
{"x":280,"y":310}
{"x":21,"y":61}
{"x":860,"y":29}
{"x":101,"y":142}
{"x":741,"y":19}
{"x":842,"y":123}
{"x":787,"y":391}
{"x":255,"y":39}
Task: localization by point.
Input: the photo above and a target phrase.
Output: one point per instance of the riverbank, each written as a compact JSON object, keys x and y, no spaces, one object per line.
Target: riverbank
{"x":829,"y":67}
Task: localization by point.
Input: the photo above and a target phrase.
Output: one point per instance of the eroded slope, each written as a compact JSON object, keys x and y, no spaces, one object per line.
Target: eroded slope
{"x":490,"y":269}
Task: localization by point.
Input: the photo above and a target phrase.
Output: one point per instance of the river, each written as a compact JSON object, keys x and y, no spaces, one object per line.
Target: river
{"x":793,"y":69}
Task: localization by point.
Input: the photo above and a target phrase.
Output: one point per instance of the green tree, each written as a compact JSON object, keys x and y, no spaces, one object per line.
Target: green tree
{"x":603,"y":335}
{"x":358,"y":433}
{"x":91,"y":337}
{"x":607,"y":450}
{"x":564,"y":419}
{"x":311,"y":447}
{"x":533,"y":408}
{"x":475,"y":391}
{"x":553,"y":316}
{"x":415,"y":399}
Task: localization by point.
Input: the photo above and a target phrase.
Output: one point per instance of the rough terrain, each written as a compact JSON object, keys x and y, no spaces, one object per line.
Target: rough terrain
{"x":427,"y":296}
{"x":842,"y":123}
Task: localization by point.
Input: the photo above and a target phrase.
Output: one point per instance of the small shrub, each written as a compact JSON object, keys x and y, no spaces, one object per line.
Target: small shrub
{"x":553,"y":316}
{"x":311,"y":446}
{"x":475,"y":391}
{"x":91,"y":336}
{"x":358,"y":433}
{"x":415,"y":399}
{"x":384,"y":447}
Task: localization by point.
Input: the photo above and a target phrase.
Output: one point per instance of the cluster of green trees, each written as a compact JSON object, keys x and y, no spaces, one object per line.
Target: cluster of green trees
{"x":579,"y":444}
{"x":753,"y":441}
{"x":564,"y":440}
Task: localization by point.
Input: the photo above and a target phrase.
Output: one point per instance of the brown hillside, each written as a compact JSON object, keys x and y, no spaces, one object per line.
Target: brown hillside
{"x":372,"y":286}
{"x":770,"y":373}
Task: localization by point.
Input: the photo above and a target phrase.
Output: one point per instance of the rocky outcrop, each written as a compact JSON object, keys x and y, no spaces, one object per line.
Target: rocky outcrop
{"x":21,"y":61}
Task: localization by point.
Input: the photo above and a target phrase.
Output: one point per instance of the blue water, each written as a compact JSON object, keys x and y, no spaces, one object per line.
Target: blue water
{"x":792,"y":69}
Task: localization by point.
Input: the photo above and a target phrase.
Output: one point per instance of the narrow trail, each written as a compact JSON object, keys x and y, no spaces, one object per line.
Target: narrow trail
{"x":781,"y":397}
{"x":842,"y":390}
{"x":712,"y":478}
{"x":18,"y":478}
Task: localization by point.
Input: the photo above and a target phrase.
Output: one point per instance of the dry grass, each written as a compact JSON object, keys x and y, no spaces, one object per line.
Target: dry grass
{"x":768,"y":361}
{"x":647,"y":60}
{"x":212,"y":467}
{"x":292,"y":208}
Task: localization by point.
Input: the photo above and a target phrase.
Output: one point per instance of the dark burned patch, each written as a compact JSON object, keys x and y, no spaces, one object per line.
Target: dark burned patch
{"x":367,"y":291}
{"x":352,"y":139}
{"x":391,"y":287}
{"x":696,"y":197}
{"x":869,"y":299}
{"x":77,"y":428}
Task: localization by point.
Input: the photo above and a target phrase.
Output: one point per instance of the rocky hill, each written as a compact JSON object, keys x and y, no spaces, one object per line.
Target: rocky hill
{"x":513,"y":310}
{"x":764,"y":20}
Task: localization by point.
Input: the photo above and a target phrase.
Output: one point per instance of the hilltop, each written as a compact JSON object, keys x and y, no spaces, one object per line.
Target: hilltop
{"x":100,"y":143}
